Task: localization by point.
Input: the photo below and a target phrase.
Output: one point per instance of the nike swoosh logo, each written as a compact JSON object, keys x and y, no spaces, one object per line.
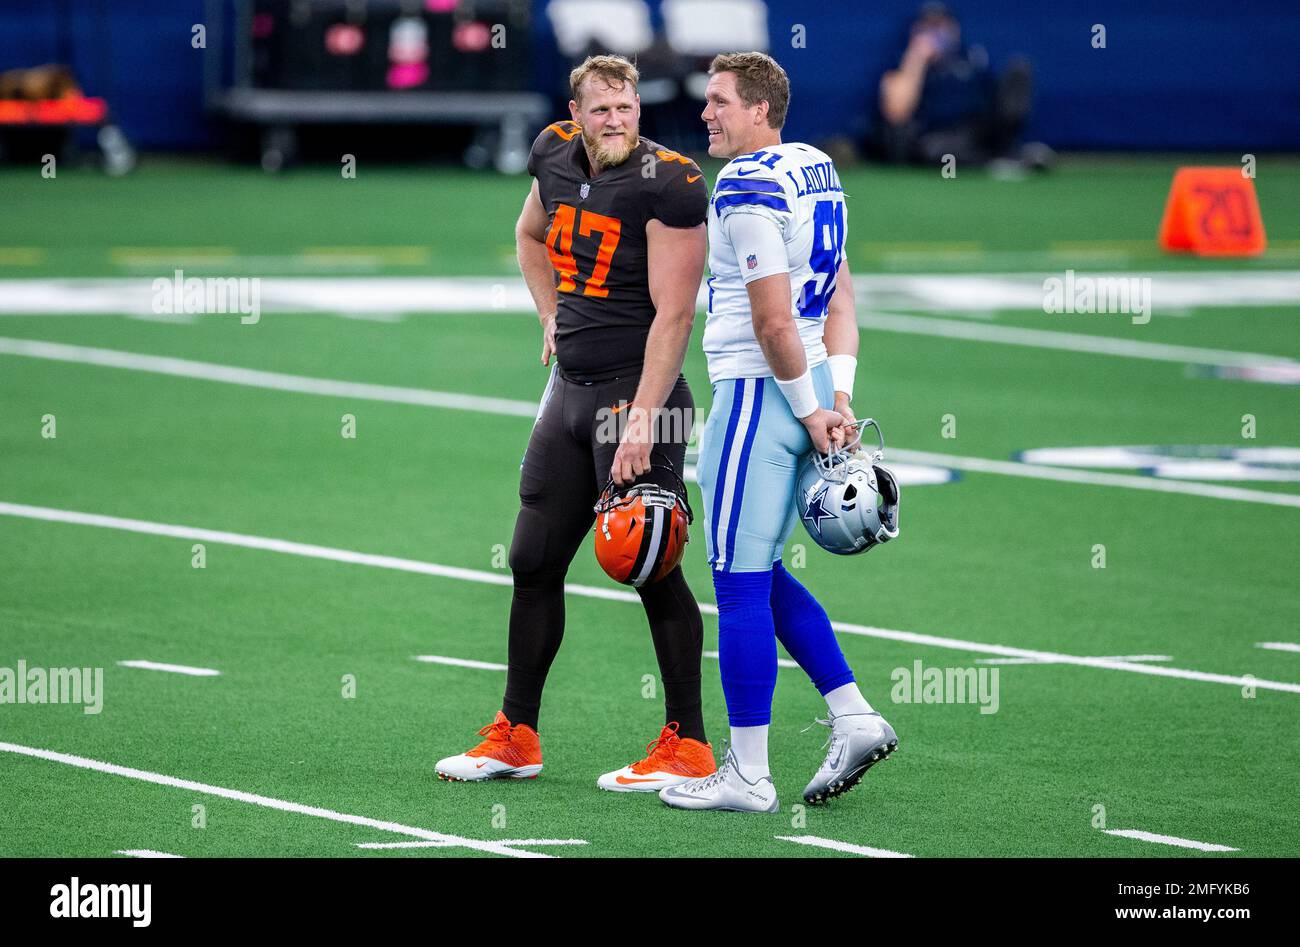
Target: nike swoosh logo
{"x":692,"y":180}
{"x":618,"y":408}
{"x":741,"y":174}
{"x":625,"y":781}
{"x":480,"y":765}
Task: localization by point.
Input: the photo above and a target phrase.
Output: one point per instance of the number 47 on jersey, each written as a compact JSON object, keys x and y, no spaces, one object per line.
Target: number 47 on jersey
{"x":559,"y":246}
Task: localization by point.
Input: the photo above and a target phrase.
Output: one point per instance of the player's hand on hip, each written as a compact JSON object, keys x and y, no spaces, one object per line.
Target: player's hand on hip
{"x":633,"y":456}
{"x":823,"y":425}
{"x":548,"y":338}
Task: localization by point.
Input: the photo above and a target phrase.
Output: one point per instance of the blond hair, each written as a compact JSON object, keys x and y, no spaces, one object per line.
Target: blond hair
{"x":614,"y":70}
{"x":759,"y":78}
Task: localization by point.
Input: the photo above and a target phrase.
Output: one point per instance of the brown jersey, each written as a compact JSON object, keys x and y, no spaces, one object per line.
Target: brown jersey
{"x":597,"y":244}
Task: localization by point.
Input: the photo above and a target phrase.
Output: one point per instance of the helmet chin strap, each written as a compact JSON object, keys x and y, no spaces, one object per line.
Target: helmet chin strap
{"x":613,"y":495}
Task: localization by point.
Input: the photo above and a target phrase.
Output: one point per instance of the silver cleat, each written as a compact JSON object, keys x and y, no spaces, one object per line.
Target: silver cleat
{"x":858,"y":742}
{"x":726,"y":789}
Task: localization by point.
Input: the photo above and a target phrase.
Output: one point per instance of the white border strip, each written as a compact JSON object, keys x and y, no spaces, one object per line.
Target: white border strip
{"x":81,"y":762}
{"x":145,"y":853}
{"x":614,"y":595}
{"x":1169,"y":840}
{"x":173,"y":668}
{"x":845,"y":847}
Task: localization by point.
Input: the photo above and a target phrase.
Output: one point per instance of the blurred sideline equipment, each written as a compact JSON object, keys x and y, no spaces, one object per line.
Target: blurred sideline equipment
{"x":849,"y":502}
{"x":344,"y":62}
{"x":1213,"y":212}
{"x":642,"y":530}
{"x":700,"y":29}
{"x":617,"y":26}
{"x":706,"y":27}
{"x":674,"y":61}
{"x":41,"y":107}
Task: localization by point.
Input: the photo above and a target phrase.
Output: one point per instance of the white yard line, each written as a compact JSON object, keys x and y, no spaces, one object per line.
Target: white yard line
{"x":253,"y":378}
{"x":397,"y":295}
{"x":1279,"y":646}
{"x":173,"y":668}
{"x":1169,"y":840}
{"x":1052,"y":657}
{"x":844,"y":847}
{"x":145,"y":853}
{"x":1171,"y":291}
{"x":460,"y":662}
{"x":1011,"y":468}
{"x":350,"y":557}
{"x":531,"y":842}
{"x":386,"y":296}
{"x":81,"y":762}
{"x":301,"y":384}
{"x":1109,"y":657}
{"x":1067,"y":341}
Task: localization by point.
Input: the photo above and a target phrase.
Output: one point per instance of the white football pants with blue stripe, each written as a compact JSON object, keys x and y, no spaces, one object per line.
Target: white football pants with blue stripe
{"x":750,"y":454}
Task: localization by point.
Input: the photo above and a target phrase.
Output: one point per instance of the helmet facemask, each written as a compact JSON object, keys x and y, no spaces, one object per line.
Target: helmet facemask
{"x":846,"y":499}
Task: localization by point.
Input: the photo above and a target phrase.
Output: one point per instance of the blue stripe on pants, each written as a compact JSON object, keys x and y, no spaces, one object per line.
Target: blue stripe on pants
{"x":737,"y":399}
{"x":736,"y":501}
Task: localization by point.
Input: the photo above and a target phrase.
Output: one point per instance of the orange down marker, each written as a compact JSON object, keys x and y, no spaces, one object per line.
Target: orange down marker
{"x":1212,"y":212}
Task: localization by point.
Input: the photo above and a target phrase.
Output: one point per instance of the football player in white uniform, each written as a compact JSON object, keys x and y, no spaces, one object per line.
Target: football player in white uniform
{"x":781,"y":341}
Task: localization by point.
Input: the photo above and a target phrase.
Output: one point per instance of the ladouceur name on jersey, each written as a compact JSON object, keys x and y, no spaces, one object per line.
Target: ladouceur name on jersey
{"x":817,"y":179}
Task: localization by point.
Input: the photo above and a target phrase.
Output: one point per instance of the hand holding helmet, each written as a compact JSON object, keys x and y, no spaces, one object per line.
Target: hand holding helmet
{"x":641,"y":529}
{"x":846,"y":499}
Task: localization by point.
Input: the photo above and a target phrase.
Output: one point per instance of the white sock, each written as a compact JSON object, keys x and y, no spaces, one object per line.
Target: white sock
{"x":847,"y":699}
{"x":749,"y":746}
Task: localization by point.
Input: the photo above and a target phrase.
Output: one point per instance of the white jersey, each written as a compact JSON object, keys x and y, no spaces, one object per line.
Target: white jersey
{"x":795,"y":187}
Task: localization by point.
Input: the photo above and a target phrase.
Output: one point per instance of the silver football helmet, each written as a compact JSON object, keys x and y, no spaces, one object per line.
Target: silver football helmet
{"x":849,"y":502}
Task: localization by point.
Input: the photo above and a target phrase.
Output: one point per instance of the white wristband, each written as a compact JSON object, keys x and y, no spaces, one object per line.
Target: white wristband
{"x":800,"y":393}
{"x":843,"y":368}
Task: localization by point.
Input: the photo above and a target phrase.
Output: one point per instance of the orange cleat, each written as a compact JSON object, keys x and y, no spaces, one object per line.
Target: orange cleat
{"x":509,"y":752}
{"x":671,"y":760}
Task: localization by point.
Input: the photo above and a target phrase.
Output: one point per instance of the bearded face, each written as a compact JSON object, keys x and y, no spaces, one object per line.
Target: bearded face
{"x":609,"y":115}
{"x":610,"y":147}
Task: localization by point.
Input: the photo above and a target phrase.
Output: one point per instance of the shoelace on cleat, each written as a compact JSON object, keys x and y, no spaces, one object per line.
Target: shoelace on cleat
{"x":829,"y":745}
{"x":659,"y":752}
{"x":666,"y":744}
{"x":719,"y":774}
{"x":497,"y":731}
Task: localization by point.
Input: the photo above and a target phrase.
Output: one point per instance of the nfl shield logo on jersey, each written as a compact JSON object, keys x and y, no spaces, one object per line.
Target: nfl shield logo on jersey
{"x":751,"y":261}
{"x":584,"y":191}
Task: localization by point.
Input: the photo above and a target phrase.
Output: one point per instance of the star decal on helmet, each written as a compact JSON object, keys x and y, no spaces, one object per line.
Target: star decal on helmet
{"x":817,"y":511}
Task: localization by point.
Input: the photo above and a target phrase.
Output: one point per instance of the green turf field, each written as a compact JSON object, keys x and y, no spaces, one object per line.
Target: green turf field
{"x":1139,"y":687}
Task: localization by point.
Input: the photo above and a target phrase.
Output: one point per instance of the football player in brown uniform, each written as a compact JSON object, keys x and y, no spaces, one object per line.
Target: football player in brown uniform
{"x":611,"y":242}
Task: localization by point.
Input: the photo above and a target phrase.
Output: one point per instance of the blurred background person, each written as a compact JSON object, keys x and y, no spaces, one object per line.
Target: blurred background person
{"x":943,"y":99}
